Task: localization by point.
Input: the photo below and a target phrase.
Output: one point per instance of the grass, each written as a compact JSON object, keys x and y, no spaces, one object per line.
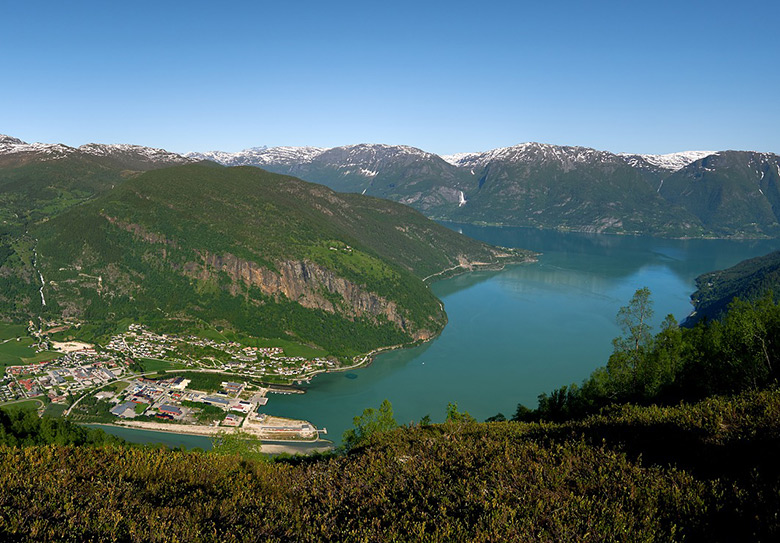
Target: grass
{"x":25,"y":405}
{"x":140,"y":408}
{"x":12,"y":331}
{"x":18,"y":353}
{"x":212,"y":334}
{"x":54,"y":410}
{"x":291,"y":348}
{"x":154,"y":364}
{"x":118,"y":386}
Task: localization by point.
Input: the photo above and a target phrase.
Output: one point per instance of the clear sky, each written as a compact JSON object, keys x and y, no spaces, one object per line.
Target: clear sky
{"x":649,"y":77}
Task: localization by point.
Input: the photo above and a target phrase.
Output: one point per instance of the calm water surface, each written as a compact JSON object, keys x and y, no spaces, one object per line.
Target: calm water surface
{"x":522,"y":331}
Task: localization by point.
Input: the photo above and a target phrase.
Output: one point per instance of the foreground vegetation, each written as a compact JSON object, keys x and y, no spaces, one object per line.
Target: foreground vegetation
{"x":695,"y":472}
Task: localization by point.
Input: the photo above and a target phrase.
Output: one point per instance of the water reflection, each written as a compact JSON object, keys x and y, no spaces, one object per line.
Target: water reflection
{"x":524,"y":330}
{"x":615,"y":257}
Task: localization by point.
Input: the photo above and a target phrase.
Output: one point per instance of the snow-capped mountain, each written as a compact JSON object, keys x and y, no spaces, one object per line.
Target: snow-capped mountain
{"x":47,"y":151}
{"x":543,"y":185}
{"x":130,"y":156}
{"x":670,"y":162}
{"x":529,"y":152}
{"x":691,"y":193}
{"x":260,"y":156}
{"x":532,"y":151}
{"x":137,"y":152}
{"x":348,"y":156}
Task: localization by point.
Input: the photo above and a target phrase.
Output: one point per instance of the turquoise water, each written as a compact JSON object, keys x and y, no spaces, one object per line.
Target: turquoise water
{"x":522,"y":331}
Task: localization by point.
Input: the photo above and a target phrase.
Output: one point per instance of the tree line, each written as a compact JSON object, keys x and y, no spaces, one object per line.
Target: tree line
{"x":736,"y":353}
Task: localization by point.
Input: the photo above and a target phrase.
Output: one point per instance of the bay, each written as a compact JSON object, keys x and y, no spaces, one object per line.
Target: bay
{"x":522,"y":331}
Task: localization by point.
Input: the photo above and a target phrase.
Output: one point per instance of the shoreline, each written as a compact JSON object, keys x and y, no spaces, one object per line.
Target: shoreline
{"x":482,"y":224}
{"x":290,"y":445}
{"x":368,"y":358}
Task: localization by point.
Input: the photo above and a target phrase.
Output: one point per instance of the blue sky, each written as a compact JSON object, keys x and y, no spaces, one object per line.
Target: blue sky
{"x":447,"y":77}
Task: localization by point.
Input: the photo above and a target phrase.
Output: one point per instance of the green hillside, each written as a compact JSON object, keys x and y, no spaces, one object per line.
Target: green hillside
{"x":602,"y":194}
{"x":733,"y":193}
{"x":36,"y":190}
{"x":264,"y":254}
{"x":402,"y":174}
{"x":748,"y":280}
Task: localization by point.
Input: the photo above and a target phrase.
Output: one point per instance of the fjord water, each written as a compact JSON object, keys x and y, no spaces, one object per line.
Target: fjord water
{"x":522,"y":331}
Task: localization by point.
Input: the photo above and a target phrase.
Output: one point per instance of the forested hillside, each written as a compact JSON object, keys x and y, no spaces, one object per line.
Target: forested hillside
{"x":747,"y":280}
{"x":263,"y":254}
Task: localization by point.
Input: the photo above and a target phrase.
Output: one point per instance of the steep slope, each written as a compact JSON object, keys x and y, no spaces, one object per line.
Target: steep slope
{"x":395,"y":172}
{"x":748,"y":280}
{"x":572,"y":188}
{"x":733,"y":193}
{"x":549,"y":186}
{"x":265,"y":254}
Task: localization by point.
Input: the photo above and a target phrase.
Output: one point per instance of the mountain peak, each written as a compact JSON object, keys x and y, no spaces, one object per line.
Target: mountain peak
{"x":8,"y":140}
{"x":259,"y":156}
{"x":127,"y":151}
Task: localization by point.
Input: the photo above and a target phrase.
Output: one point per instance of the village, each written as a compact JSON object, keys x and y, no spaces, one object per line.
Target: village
{"x":172,"y":405}
{"x":125,"y":381}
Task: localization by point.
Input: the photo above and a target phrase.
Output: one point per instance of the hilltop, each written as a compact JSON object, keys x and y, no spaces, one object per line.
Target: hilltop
{"x":256,"y":252}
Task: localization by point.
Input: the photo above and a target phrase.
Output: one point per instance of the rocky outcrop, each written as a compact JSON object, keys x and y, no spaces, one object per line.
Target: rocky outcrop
{"x":139,"y":231}
{"x":307,"y":283}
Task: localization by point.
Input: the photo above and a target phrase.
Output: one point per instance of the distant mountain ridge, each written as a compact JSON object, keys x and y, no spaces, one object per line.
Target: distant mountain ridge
{"x":685,"y":194}
{"x":13,"y":148}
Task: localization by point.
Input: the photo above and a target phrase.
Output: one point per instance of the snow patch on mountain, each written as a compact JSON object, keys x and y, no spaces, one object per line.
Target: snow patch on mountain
{"x":54,"y":151}
{"x":261,"y":156}
{"x":670,"y":161}
{"x":530,"y":152}
{"x":152,"y":154}
{"x":458,"y":159}
{"x":48,"y":151}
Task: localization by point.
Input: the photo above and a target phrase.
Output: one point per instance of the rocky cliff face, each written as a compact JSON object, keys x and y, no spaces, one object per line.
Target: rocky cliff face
{"x":307,"y":283}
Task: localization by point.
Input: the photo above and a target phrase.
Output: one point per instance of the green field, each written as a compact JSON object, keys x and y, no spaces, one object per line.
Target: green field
{"x":12,"y":331}
{"x":212,"y":334}
{"x":54,"y":410}
{"x":117,"y":386}
{"x":16,"y":353}
{"x":153,"y":364}
{"x":290,"y":348}
{"x":22,"y":405}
